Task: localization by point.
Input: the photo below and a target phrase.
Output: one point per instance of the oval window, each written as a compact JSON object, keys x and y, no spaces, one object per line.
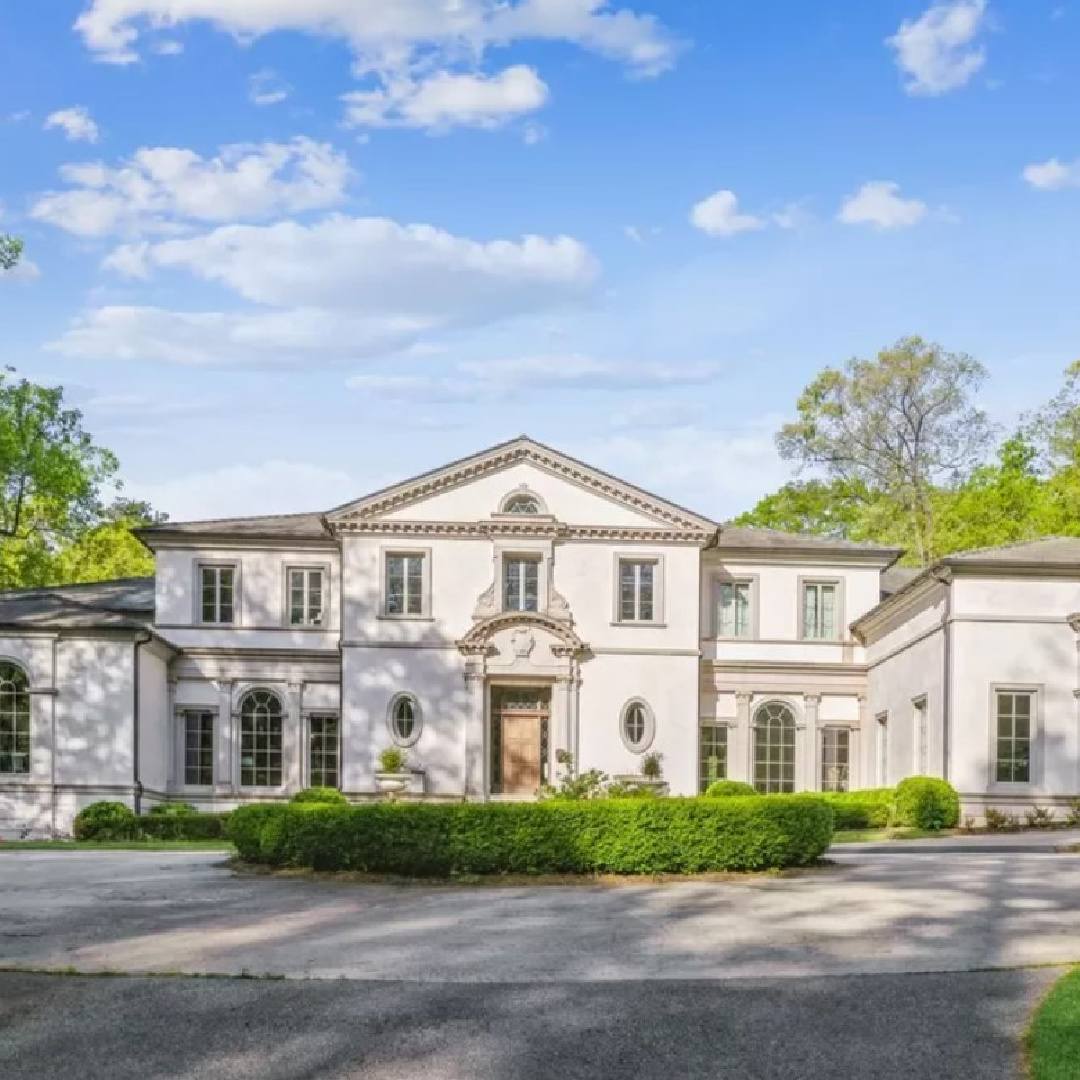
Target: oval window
{"x":405,"y":720}
{"x":638,"y":726}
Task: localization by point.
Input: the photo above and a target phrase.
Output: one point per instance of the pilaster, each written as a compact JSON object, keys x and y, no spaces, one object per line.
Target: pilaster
{"x":226,"y":736}
{"x":293,"y":742}
{"x":741,"y":750}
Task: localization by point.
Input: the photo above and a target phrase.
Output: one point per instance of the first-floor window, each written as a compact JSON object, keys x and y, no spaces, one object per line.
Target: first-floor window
{"x":261,"y":740}
{"x":774,"y":748}
{"x":637,"y":591}
{"x":521,"y":583}
{"x":835,"y":759}
{"x":1015,"y":711}
{"x":14,"y":720}
{"x":323,"y":750}
{"x":712,"y":755}
{"x":637,"y":726}
{"x":405,"y":720}
{"x":199,"y":748}
{"x":405,"y":584}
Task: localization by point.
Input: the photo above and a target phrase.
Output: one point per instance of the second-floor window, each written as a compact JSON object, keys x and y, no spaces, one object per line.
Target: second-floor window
{"x":307,"y":596}
{"x":405,"y":584}
{"x":217,"y":594}
{"x":521,"y":583}
{"x":733,"y":609}
{"x":820,"y":615}
{"x":637,"y":590}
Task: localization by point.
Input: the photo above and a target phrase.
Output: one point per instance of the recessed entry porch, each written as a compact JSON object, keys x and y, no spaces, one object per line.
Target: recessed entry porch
{"x":520,"y":756}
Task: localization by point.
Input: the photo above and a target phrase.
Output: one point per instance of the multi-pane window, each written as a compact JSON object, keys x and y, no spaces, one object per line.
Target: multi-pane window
{"x":404,"y":720}
{"x":405,"y":584}
{"x":324,"y":741}
{"x":1015,"y":716}
{"x":774,"y":748}
{"x":198,"y":748}
{"x":712,"y":755}
{"x":260,"y":740}
{"x":522,"y":504}
{"x":218,"y":593}
{"x":733,"y":609}
{"x":14,"y":721}
{"x":835,"y":759}
{"x":819,"y":615}
{"x":307,"y":596}
{"x":637,"y":590}
{"x":637,"y":727}
{"x":521,"y":583}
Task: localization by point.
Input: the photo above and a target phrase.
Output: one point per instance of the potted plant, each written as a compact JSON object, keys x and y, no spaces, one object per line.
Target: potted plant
{"x":394,"y":775}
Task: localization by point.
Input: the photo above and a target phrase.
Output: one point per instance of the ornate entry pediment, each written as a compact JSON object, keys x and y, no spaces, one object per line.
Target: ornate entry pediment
{"x":522,"y":632}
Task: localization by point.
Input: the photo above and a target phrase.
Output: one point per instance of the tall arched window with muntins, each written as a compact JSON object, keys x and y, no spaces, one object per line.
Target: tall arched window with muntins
{"x":637,"y":726}
{"x":405,"y":720}
{"x":774,"y":748}
{"x":261,"y":723}
{"x":14,"y":720}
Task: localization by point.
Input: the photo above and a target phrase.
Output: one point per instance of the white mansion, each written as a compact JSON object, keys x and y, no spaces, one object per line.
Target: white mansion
{"x":490,"y":613}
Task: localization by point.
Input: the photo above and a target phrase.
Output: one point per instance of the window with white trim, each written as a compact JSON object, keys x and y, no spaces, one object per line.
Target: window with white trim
{"x":835,"y":759}
{"x":774,"y":748}
{"x":405,"y":720}
{"x":712,"y":755}
{"x":522,"y":504}
{"x":217,"y":584}
{"x":198,"y":748}
{"x":637,"y":590}
{"x":820,"y":614}
{"x":307,"y":595}
{"x":637,"y":726}
{"x":521,"y":583}
{"x":1015,"y":720}
{"x":14,"y":720}
{"x":405,"y":583}
{"x":733,"y":600}
{"x":261,"y":740}
{"x":324,"y":750}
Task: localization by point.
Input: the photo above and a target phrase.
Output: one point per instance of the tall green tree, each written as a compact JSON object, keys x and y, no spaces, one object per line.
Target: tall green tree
{"x":110,"y":549}
{"x":830,"y":508}
{"x":897,"y":429}
{"x":10,"y":252}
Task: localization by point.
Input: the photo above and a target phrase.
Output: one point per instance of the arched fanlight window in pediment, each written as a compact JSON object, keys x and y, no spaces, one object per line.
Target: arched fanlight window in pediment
{"x":522,"y":502}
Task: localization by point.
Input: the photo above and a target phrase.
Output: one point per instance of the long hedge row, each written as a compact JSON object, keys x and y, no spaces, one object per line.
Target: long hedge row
{"x":632,"y":836}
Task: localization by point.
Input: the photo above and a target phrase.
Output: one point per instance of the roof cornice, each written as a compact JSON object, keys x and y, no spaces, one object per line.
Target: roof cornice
{"x":522,"y":528}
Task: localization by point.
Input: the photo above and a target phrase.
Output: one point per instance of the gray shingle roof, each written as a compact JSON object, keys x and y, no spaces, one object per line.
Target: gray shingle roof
{"x":270,"y":527}
{"x":1056,"y":551}
{"x":125,"y":604}
{"x":896,"y":577}
{"x":737,"y":536}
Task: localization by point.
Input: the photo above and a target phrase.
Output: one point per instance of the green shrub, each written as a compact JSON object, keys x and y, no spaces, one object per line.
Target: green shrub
{"x":720,"y":789}
{"x":172,"y":809}
{"x":621,"y":836}
{"x":925,"y":802}
{"x":194,"y":825}
{"x":106,"y":821}
{"x":392,"y":760}
{"x":869,"y":809}
{"x":321,"y":795}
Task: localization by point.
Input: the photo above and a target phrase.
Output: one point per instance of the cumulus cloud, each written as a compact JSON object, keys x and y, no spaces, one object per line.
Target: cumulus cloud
{"x":267,"y":88}
{"x":938,"y":51}
{"x":1053,"y":175}
{"x":446,"y":100}
{"x":76,"y":123}
{"x":719,"y":215}
{"x":163,"y":189}
{"x":879,"y":204}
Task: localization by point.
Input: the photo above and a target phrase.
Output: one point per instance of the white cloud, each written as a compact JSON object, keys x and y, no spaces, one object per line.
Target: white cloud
{"x":160,"y":188}
{"x":24,"y":271}
{"x":718,"y":215}
{"x":76,"y":123}
{"x":937,"y":51}
{"x":1053,"y":175}
{"x":167,"y":48}
{"x":878,"y":203}
{"x":266,"y":88}
{"x":393,"y":36}
{"x":446,"y":100}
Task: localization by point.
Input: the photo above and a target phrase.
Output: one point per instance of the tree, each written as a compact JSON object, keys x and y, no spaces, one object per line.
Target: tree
{"x":823,"y":508}
{"x":896,"y":429}
{"x":10,"y":252}
{"x":109,"y":550}
{"x":1054,"y":430}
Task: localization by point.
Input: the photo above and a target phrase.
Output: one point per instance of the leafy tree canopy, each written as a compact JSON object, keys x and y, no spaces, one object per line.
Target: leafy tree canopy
{"x":10,"y":252}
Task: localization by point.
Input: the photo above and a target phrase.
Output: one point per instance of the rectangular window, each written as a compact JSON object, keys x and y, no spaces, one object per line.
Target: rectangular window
{"x":1015,"y":717}
{"x":712,"y":761}
{"x":405,"y":584}
{"x":199,"y":749}
{"x":637,"y":590}
{"x":920,"y":736}
{"x":883,"y":749}
{"x":521,"y":583}
{"x":218,"y":586}
{"x":307,"y":596}
{"x":835,"y":759}
{"x":733,"y":609}
{"x":323,"y":751}
{"x":819,"y":611}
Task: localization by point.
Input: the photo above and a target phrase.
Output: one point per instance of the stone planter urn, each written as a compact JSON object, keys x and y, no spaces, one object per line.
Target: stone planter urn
{"x":393,"y":783}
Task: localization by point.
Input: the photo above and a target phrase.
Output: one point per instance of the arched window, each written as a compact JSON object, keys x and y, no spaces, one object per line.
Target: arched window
{"x":14,"y":720}
{"x":405,"y":720}
{"x":637,"y":726}
{"x":774,"y":748}
{"x":523,"y":502}
{"x":260,"y":739}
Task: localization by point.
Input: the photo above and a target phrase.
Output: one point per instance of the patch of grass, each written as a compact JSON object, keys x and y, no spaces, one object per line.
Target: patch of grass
{"x":869,"y":836}
{"x":120,"y":845}
{"x":1052,"y":1042}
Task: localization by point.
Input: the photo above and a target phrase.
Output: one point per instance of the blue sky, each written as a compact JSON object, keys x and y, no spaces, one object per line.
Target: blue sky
{"x":281,"y":252}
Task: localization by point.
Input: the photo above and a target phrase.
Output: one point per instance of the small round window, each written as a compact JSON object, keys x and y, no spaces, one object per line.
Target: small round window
{"x":637,"y":727}
{"x":405,"y":720}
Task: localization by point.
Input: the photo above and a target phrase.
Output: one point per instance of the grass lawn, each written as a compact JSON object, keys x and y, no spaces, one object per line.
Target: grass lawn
{"x":867,"y":836}
{"x":130,"y":845}
{"x":1053,"y":1040}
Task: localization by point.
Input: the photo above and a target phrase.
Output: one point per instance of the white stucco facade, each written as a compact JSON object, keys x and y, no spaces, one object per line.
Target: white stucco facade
{"x":489,"y":615}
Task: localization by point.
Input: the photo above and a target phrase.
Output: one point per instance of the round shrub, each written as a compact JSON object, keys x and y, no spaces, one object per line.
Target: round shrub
{"x":105,"y":821}
{"x":722,"y":789}
{"x":323,"y":795}
{"x":925,"y":802}
{"x":172,"y":809}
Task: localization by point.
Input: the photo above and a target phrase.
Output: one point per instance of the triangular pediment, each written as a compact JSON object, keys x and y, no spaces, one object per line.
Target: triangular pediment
{"x":513,"y":465}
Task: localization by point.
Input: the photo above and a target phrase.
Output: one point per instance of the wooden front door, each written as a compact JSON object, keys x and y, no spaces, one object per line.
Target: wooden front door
{"x":521,"y":751}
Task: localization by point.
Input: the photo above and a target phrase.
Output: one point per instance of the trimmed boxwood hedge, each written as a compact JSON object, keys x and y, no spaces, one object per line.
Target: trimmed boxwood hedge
{"x":870,"y":809}
{"x":620,"y":836}
{"x":114,"y":822}
{"x":726,"y":789}
{"x":925,"y":802}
